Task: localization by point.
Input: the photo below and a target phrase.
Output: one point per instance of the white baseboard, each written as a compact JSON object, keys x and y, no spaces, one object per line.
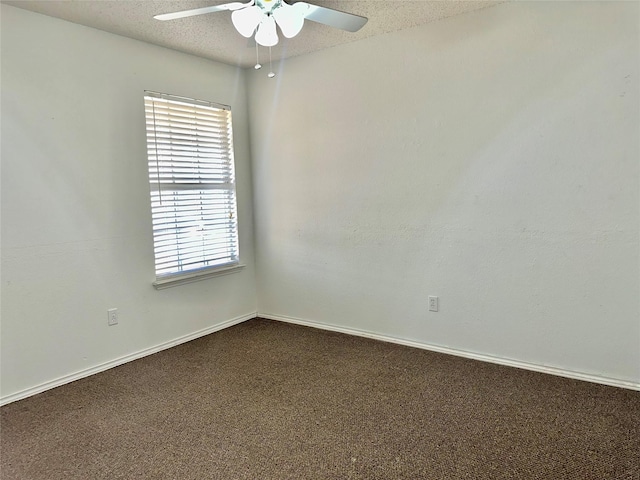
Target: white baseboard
{"x":119,"y":361}
{"x":334,"y":328}
{"x":614,"y":382}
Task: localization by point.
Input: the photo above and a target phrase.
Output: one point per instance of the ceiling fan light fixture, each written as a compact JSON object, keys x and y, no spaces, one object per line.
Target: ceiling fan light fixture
{"x":247,"y":20}
{"x":290,"y":18}
{"x":267,"y":35}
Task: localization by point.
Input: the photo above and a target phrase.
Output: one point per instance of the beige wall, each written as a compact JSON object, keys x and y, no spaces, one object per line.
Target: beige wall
{"x":490,"y":159}
{"x":76,"y":222}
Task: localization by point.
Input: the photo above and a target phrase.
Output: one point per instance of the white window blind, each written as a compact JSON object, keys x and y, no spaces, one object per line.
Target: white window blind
{"x":193,"y":195}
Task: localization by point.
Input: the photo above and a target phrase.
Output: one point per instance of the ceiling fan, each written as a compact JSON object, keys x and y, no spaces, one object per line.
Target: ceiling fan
{"x":262,"y":16}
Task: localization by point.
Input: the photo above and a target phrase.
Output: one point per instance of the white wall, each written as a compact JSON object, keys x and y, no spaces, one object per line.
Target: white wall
{"x":76,"y":224}
{"x":490,"y":159}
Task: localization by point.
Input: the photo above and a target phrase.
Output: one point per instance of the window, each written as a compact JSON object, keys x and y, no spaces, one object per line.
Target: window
{"x":193,"y":194}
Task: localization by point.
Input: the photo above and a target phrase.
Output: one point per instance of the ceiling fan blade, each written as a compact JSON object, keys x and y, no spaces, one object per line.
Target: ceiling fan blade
{"x":203,"y":10}
{"x":334,"y":18}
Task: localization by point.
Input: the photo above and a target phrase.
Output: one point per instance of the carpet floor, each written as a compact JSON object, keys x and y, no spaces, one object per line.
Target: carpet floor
{"x":269,"y":400}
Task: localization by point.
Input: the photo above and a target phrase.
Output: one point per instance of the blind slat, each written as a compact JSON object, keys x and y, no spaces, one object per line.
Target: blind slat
{"x":161,"y":232}
{"x":210,"y":243}
{"x":212,"y":262}
{"x":181,"y":257}
{"x":170,"y":190}
{"x":189,"y":252}
{"x":188,"y":219}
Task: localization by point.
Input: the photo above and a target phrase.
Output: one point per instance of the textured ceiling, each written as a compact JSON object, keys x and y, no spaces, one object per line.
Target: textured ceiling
{"x":213,"y":36}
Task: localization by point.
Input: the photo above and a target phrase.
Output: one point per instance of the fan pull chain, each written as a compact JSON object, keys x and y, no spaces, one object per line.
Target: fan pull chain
{"x":271,"y":73}
{"x":257,"y":66}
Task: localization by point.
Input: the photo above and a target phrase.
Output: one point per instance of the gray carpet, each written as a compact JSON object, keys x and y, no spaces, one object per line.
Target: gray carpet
{"x":267,"y":400}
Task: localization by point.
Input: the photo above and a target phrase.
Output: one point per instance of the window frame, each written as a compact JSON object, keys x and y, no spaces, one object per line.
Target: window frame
{"x":197,"y":184}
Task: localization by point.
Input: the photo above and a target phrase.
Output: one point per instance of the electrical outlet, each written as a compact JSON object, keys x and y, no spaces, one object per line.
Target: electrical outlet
{"x":433,"y":304}
{"x":112,"y":314}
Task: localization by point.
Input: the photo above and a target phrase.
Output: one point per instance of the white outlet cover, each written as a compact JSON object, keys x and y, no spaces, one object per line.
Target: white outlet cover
{"x":112,"y":316}
{"x":433,"y":304}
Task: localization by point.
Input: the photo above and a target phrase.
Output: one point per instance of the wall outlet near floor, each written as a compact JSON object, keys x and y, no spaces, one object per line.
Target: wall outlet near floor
{"x":112,"y":316}
{"x":433,"y":304}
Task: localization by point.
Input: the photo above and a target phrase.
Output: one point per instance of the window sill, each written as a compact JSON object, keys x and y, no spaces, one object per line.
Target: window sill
{"x":176,"y":280}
